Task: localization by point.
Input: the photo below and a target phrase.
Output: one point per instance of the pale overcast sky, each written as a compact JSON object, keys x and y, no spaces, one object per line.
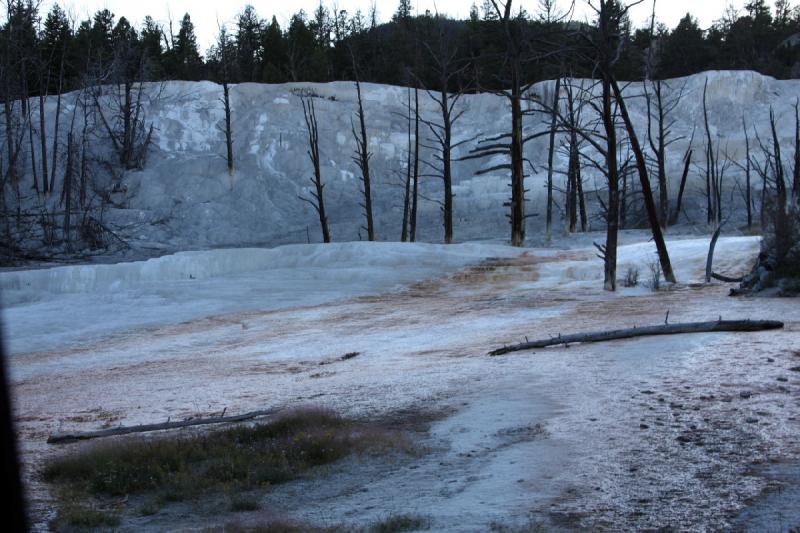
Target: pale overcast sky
{"x":205,"y":14}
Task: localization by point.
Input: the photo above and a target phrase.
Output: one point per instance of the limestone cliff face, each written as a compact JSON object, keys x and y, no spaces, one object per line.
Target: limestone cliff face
{"x":184,"y":198}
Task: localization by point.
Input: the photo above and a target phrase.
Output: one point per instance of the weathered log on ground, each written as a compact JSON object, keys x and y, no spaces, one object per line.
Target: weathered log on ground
{"x":663,"y":329}
{"x":726,"y":279}
{"x":63,"y":438}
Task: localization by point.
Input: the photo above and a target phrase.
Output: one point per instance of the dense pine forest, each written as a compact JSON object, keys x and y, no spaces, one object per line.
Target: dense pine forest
{"x":48,"y":53}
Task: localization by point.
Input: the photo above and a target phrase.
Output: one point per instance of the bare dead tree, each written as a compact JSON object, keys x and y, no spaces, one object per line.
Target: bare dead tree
{"x":121,"y":110}
{"x":43,"y":138}
{"x":712,"y":169}
{"x":57,"y":118}
{"x":575,"y":202}
{"x":687,"y":159}
{"x":443,"y":55}
{"x":407,"y":181}
{"x":796,"y":169}
{"x":362,"y":156}
{"x":780,"y":182}
{"x":415,"y":193}
{"x":551,"y":151}
{"x":317,"y":200}
{"x":67,"y":192}
{"x":32,"y":145}
{"x":606,"y":45}
{"x":516,"y":54}
{"x":519,"y":51}
{"x":223,"y":44}
{"x":660,"y":107}
{"x":644,"y":180}
{"x":747,"y":176}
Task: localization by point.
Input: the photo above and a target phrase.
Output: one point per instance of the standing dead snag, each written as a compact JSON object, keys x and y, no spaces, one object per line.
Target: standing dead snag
{"x":715,"y":170}
{"x":575,"y":200}
{"x":659,"y":143}
{"x":407,"y":182}
{"x":644,"y":180}
{"x":747,"y":176}
{"x":514,"y":43}
{"x":318,"y":202}
{"x":687,"y":159}
{"x":550,"y":154}
{"x":412,"y":172}
{"x":444,"y":56}
{"x":223,"y":46}
{"x":362,"y":157}
{"x":796,"y":169}
{"x":415,"y":193}
{"x":780,"y":183}
{"x":607,"y":46}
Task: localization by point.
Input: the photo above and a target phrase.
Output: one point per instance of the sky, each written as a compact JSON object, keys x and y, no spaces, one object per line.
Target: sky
{"x":206,"y":15}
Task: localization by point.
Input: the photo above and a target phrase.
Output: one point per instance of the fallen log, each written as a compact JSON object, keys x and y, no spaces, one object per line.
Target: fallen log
{"x":64,"y":438}
{"x":663,"y":329}
{"x":726,"y":279}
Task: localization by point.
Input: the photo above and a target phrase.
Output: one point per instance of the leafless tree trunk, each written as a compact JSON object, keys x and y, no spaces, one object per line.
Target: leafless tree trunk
{"x":54,"y":163}
{"x":575,"y":201}
{"x":517,"y":53}
{"x":687,"y":159}
{"x":318,"y":202}
{"x":362,"y":157}
{"x":513,"y":56}
{"x":228,"y":130}
{"x":68,"y":188}
{"x":780,"y":182}
{"x":609,"y":251}
{"x":43,"y":140}
{"x":551,"y":153}
{"x":84,"y":172}
{"x":407,"y":184}
{"x":644,"y":180}
{"x":747,"y":175}
{"x":443,"y":55}
{"x":223,"y":45}
{"x":32,"y":148}
{"x":796,"y":170}
{"x":661,"y":111}
{"x":415,"y":194}
{"x":711,"y":167}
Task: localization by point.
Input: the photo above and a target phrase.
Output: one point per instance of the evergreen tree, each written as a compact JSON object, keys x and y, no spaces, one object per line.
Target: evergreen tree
{"x":54,"y":42}
{"x":273,"y":46}
{"x":187,"y":57}
{"x":248,"y":40}
{"x":683,"y":51}
{"x":150,"y":37}
{"x":403,"y":13}
{"x":101,"y":41}
{"x":300,"y":47}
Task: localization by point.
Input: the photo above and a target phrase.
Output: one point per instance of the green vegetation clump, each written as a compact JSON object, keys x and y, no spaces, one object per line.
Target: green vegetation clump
{"x":400,"y":522}
{"x":231,"y":460}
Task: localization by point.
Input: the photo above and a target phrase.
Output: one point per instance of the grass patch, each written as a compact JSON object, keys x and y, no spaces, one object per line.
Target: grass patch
{"x":398,"y":523}
{"x":245,"y":457}
{"x":278,"y":525}
{"x":79,"y":517}
{"x":530,"y":527}
{"x":391,"y":524}
{"x":243,"y":503}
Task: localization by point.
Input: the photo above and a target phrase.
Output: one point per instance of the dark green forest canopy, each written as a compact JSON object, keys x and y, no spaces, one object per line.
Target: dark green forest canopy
{"x":46,"y":52}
